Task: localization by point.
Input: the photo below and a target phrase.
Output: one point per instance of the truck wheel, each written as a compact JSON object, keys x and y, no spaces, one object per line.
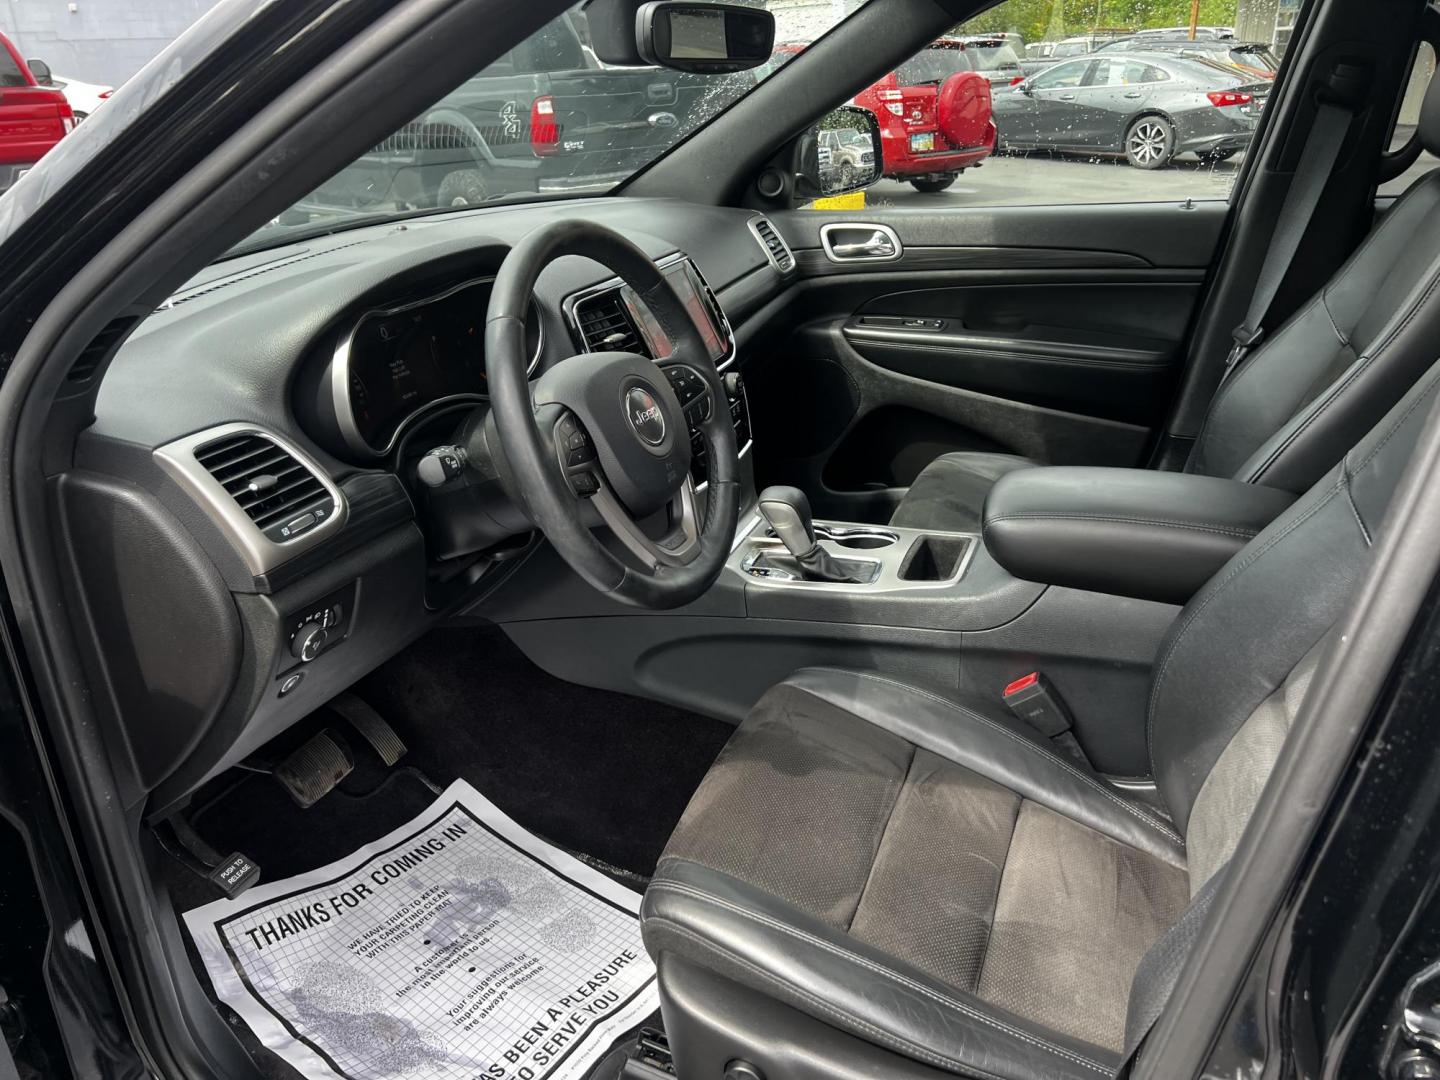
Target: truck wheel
{"x":463,"y":187}
{"x":932,"y":186}
{"x":1150,"y":143}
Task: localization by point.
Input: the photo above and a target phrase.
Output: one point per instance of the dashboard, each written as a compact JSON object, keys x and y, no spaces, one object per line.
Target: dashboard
{"x":262,"y":430}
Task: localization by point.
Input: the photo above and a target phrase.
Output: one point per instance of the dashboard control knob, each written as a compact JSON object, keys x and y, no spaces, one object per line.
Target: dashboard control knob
{"x":441,"y":465}
{"x":308,"y":641}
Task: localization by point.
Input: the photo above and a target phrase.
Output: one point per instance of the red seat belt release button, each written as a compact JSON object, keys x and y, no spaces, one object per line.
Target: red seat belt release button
{"x":1033,"y":700}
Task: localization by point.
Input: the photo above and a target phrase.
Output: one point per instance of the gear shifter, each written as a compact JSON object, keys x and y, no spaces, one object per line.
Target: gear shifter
{"x":788,"y":512}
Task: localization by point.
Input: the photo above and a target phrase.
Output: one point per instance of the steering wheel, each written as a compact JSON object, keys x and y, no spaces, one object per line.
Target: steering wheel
{"x":607,"y":430}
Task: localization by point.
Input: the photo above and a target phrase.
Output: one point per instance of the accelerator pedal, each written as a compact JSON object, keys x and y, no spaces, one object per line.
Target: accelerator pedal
{"x":371,"y":726}
{"x":312,"y":771}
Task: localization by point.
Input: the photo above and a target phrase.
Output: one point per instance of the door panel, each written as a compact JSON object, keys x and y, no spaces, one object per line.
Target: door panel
{"x":1055,"y":332}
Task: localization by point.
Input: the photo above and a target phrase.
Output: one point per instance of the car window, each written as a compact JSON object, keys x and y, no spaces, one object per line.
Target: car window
{"x":1157,"y":119}
{"x":10,"y":73}
{"x":549,"y":118}
{"x":994,"y":58}
{"x":1061,"y":76}
{"x":1422,"y":70}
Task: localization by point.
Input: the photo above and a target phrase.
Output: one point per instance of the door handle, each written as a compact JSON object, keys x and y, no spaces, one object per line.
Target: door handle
{"x":877,"y":247}
{"x":1133,"y":94}
{"x":1067,"y":97}
{"x":880,"y":244}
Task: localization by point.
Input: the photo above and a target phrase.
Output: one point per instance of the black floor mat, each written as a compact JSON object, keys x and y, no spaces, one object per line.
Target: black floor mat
{"x":592,"y":771}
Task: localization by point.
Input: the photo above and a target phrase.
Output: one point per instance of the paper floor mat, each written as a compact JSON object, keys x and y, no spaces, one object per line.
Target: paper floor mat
{"x":458,"y":946}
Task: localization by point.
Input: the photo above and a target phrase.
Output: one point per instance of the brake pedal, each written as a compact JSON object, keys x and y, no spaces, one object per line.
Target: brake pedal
{"x":371,"y":726}
{"x":313,"y":771}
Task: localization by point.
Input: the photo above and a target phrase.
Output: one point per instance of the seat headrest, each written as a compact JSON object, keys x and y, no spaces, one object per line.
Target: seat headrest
{"x":1430,"y":118}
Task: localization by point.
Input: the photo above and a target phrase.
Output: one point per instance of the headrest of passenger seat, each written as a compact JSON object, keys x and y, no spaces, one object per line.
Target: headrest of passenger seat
{"x":1430,"y":118}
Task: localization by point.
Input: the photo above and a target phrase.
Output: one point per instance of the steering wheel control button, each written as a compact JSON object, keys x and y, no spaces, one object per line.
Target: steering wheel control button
{"x":646,"y":417}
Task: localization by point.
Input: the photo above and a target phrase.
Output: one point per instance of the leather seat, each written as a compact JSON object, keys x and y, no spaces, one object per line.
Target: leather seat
{"x":876,"y":879}
{"x":1306,"y":393}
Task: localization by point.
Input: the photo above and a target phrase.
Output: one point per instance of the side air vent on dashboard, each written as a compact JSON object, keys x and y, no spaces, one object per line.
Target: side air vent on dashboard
{"x":606,"y":325}
{"x":268,"y":497}
{"x":775,"y":247}
{"x":265,"y":480}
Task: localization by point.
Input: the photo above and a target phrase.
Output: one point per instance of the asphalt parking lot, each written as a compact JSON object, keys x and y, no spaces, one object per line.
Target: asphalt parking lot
{"x":1039,"y":179}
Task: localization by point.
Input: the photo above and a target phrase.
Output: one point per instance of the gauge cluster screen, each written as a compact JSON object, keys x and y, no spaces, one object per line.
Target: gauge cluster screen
{"x":687,"y":286}
{"x":414,"y":355}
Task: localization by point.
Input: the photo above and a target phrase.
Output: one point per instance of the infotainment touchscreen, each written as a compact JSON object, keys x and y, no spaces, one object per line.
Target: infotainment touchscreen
{"x":685,"y":282}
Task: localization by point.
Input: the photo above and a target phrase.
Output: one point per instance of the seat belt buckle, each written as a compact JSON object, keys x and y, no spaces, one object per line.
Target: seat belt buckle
{"x":1033,"y":700}
{"x":1244,"y":338}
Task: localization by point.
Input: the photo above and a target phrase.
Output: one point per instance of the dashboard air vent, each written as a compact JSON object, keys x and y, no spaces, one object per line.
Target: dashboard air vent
{"x":274,"y":490}
{"x":775,"y":247}
{"x":606,"y":325}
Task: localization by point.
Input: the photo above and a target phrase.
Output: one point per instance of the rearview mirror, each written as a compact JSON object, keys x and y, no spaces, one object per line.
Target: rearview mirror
{"x":840,"y":154}
{"x":705,"y":38}
{"x":41,"y":71}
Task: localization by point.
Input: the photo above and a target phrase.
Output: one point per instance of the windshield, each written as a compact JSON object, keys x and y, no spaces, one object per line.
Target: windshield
{"x":547,"y":118}
{"x":934,"y":65}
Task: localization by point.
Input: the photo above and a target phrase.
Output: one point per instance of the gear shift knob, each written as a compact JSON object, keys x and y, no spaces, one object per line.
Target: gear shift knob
{"x":788,"y":512}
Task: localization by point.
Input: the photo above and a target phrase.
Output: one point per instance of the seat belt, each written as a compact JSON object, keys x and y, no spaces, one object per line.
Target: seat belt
{"x":1159,"y":971}
{"x":1312,"y":173}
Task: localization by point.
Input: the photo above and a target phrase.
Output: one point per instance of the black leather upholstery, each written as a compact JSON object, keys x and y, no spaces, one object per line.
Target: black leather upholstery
{"x":1307,"y":392}
{"x":930,"y":878}
{"x":1129,"y":532}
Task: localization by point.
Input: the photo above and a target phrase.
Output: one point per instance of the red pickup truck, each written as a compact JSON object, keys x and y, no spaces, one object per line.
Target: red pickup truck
{"x":33,"y":118}
{"x":934,"y":111}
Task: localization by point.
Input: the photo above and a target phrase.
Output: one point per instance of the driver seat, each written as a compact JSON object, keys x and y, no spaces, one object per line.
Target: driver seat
{"x":877,"y":880}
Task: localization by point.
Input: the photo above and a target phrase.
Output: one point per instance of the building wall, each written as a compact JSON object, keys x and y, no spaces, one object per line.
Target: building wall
{"x":100,"y":41}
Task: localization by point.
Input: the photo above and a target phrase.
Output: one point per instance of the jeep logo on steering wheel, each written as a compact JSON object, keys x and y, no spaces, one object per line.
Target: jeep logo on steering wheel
{"x":644,"y":414}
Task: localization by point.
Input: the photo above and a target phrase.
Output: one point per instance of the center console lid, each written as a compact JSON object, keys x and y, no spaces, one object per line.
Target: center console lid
{"x":1127,"y":532}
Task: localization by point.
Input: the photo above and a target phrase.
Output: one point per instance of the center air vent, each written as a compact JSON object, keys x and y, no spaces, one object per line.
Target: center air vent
{"x":275,"y":490}
{"x":774,"y":245}
{"x":606,"y":326}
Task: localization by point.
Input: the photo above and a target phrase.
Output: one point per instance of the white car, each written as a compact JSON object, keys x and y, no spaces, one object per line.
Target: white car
{"x":84,"y":97}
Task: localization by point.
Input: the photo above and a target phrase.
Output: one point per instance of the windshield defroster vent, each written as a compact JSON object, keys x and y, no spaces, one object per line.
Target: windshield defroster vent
{"x":775,"y":247}
{"x":606,"y":326}
{"x":268,"y":497}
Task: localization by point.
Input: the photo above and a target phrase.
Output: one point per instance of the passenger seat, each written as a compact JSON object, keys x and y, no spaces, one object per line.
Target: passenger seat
{"x":1306,"y":393}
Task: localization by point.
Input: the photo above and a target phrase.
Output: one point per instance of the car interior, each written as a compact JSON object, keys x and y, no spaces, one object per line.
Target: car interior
{"x":911,"y":602}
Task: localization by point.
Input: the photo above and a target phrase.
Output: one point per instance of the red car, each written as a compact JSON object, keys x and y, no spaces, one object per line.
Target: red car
{"x":934,"y":111}
{"x":33,"y":118}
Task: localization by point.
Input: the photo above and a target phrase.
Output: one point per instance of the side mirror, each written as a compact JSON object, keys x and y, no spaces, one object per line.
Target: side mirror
{"x":840,"y":154}
{"x":709,"y":39}
{"x":41,"y":71}
{"x":1024,"y":87}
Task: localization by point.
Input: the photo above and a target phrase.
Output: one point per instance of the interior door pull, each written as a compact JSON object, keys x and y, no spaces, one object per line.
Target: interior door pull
{"x":877,"y":247}
{"x":845,"y":242}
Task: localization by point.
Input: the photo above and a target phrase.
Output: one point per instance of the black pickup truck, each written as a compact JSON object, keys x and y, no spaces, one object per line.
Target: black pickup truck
{"x":546,"y":116}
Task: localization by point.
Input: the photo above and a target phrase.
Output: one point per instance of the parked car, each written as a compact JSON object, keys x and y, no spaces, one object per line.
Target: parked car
{"x":1201,"y":32}
{"x":33,"y":118}
{"x":546,"y":117}
{"x":995,"y":56}
{"x":84,"y":97}
{"x":1050,"y":52}
{"x":934,"y":109}
{"x":1253,"y":58}
{"x":844,"y":155}
{"x":1147,"y":107}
